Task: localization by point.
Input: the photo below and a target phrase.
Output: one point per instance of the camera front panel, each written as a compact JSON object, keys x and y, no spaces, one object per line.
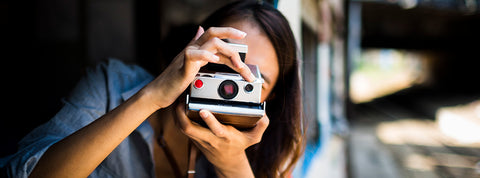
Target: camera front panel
{"x":225,"y":87}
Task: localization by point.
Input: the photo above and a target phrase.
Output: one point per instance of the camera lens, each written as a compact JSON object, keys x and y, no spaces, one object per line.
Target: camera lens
{"x":228,"y":89}
{"x":249,"y":88}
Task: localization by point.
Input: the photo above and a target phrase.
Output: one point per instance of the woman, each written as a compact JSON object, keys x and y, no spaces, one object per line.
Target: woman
{"x":110,"y":125}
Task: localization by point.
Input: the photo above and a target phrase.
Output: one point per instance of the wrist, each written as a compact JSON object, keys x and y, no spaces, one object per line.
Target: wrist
{"x":147,"y":96}
{"x":164,"y":90}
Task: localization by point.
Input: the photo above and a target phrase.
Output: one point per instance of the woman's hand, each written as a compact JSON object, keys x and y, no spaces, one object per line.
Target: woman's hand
{"x":205,"y":47}
{"x":223,"y":145}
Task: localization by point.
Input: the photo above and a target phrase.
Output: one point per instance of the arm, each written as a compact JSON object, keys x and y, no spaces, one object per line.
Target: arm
{"x":81,"y":152}
{"x":84,"y":150}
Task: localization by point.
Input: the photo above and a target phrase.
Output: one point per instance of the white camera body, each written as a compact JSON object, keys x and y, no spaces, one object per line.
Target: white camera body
{"x":228,"y":96}
{"x":227,"y":86}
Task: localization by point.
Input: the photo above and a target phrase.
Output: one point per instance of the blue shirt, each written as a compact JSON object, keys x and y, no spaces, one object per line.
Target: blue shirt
{"x":102,"y":89}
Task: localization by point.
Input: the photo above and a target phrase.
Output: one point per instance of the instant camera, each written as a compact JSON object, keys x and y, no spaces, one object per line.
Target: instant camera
{"x":222,"y":91}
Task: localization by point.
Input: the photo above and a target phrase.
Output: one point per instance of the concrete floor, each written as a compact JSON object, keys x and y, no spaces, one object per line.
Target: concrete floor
{"x":398,"y":137}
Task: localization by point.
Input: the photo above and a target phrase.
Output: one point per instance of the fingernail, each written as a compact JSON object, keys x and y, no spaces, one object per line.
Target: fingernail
{"x":203,"y":114}
{"x":242,"y":34}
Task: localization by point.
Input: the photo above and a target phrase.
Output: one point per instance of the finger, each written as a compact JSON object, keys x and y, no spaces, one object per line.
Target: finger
{"x":204,"y":55}
{"x":240,"y":67}
{"x":257,"y":132}
{"x":222,"y":33}
{"x":231,"y":57}
{"x":262,"y":124}
{"x":217,"y":46}
{"x":182,"y":120}
{"x":193,"y":131}
{"x":216,"y":127}
{"x":244,"y":71}
{"x":202,"y":146}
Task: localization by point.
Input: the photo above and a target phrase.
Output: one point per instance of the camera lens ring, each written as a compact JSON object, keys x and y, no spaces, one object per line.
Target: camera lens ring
{"x":248,"y":88}
{"x":228,"y":89}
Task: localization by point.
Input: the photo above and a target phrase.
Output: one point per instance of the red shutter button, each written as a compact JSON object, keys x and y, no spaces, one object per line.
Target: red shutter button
{"x":198,"y":83}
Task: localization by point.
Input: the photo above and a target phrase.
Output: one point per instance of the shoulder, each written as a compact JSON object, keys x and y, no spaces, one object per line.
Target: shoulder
{"x":116,"y":76}
{"x":113,"y":81}
{"x":116,"y":69}
{"x":105,"y":86}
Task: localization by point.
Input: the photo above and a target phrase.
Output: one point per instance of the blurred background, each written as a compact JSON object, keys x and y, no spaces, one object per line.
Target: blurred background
{"x":391,"y":87}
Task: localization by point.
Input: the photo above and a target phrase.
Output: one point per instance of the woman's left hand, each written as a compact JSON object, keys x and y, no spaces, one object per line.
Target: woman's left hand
{"x":223,"y":145}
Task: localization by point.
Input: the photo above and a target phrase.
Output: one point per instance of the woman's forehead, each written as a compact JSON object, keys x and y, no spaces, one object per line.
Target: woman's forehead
{"x":261,"y":52}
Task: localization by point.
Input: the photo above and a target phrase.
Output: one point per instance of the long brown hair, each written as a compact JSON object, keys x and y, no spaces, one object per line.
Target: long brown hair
{"x":283,"y":141}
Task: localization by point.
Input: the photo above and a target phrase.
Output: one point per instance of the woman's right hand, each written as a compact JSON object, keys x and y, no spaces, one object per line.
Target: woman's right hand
{"x":205,"y":47}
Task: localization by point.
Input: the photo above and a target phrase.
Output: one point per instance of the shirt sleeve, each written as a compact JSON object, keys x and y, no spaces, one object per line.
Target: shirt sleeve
{"x":87,"y":102}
